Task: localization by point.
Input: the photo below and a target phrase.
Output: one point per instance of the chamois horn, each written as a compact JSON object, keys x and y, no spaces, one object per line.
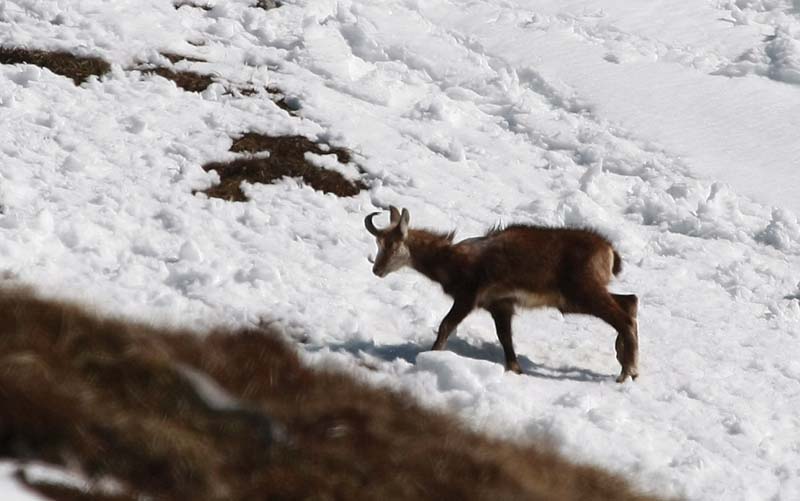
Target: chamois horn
{"x":371,"y":226}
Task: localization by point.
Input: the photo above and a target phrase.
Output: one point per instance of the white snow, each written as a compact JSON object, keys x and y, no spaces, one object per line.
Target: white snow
{"x":672,"y":127}
{"x":11,"y":489}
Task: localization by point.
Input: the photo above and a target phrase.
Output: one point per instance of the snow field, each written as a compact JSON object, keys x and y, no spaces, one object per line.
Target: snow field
{"x":656,"y":71}
{"x":468,"y":114}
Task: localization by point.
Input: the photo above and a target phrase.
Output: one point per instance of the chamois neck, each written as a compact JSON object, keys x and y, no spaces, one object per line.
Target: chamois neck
{"x":430,"y":252}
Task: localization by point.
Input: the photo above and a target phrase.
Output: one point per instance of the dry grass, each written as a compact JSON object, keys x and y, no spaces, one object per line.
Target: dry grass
{"x":176,"y":58}
{"x":267,"y":4}
{"x":277,"y":96}
{"x":286,"y":159}
{"x":261,"y":4}
{"x":187,"y":3}
{"x":107,"y":398}
{"x":78,"y":68}
{"x":186,"y":80}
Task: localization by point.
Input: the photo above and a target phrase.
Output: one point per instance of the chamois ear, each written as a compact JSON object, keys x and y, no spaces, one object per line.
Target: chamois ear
{"x":394,"y":215}
{"x":404,"y":222}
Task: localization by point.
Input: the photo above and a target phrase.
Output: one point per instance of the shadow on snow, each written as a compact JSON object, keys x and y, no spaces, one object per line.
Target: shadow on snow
{"x":491,"y":352}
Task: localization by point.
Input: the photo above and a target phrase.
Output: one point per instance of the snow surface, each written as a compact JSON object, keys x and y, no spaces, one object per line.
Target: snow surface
{"x":11,"y":489}
{"x":670,"y":126}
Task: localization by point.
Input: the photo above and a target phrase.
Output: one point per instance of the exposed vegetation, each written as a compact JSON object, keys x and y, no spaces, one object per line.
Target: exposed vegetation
{"x":176,"y":58}
{"x":78,"y":68}
{"x":288,"y":104}
{"x":261,"y":4}
{"x":188,"y":3}
{"x":286,"y":159}
{"x":110,"y":400}
{"x":186,"y":80}
{"x":267,"y":4}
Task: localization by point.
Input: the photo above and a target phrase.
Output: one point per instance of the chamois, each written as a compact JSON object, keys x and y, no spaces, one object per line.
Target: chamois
{"x":518,"y":266}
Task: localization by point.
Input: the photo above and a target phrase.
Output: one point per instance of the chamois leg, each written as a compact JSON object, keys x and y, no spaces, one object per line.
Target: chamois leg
{"x":601,"y":304}
{"x":627,"y":342}
{"x":458,"y":312}
{"x":502,"y":312}
{"x":630,"y":304}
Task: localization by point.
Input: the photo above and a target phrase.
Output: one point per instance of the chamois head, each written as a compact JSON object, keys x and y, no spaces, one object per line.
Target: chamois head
{"x":392,"y":251}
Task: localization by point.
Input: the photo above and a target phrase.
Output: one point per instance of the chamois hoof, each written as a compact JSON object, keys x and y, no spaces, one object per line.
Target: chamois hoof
{"x":514,"y":367}
{"x":625,"y":374}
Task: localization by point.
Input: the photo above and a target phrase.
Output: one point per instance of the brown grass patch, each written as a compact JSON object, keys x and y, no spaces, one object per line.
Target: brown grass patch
{"x":284,"y":102}
{"x":286,"y":159}
{"x":186,"y":80}
{"x":267,"y":4}
{"x":260,"y":4}
{"x":180,"y":4}
{"x":78,"y":68}
{"x":281,"y":100}
{"x":289,"y":105}
{"x":176,"y":58}
{"x":107,"y":398}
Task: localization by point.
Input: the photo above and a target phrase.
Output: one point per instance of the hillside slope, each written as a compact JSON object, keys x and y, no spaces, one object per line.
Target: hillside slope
{"x":233,"y":415}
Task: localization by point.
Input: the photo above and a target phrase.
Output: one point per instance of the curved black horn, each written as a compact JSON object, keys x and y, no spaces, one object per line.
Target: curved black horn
{"x":371,"y":226}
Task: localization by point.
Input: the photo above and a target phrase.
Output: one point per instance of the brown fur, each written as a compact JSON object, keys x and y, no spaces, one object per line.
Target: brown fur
{"x":519,"y":266}
{"x":104,"y":397}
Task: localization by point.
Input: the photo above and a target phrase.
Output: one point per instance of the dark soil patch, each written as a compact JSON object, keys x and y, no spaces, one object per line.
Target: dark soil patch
{"x":110,"y":400}
{"x":78,"y":68}
{"x":286,"y":159}
{"x":186,"y":80}
{"x":176,"y":58}
{"x":260,"y":4}
{"x":288,"y":104}
{"x":178,"y":5}
{"x":267,"y":4}
{"x":286,"y":146}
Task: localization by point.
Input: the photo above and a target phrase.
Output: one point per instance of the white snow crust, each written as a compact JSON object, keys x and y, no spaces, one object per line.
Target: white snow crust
{"x":670,"y":126}
{"x":11,"y":489}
